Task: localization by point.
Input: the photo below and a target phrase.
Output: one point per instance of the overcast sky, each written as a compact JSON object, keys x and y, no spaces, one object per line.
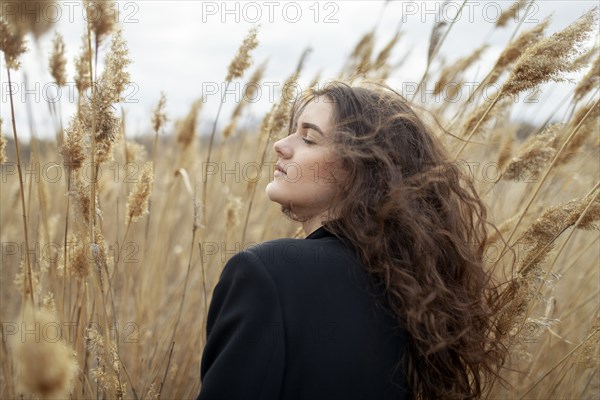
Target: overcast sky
{"x":184,"y":47}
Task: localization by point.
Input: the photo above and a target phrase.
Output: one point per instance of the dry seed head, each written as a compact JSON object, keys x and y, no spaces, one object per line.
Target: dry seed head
{"x":21,"y":281}
{"x":250,"y":90}
{"x":511,"y":12}
{"x":186,"y":129}
{"x":242,"y":59}
{"x":363,"y":66}
{"x":590,"y":127}
{"x":30,"y":17}
{"x":94,"y":340}
{"x":78,"y":264}
{"x":3,"y":157}
{"x":553,"y":220}
{"x":230,"y":128}
{"x":589,"y":353}
{"x":455,"y":70}
{"x":384,"y":54}
{"x":279,"y":118}
{"x":58,"y":61}
{"x":512,"y":313}
{"x":108,"y":362}
{"x":101,"y":16}
{"x":12,"y":44}
{"x":152,"y":392}
{"x":235,"y":116}
{"x":540,"y":236}
{"x":114,"y":357}
{"x":584,"y":59}
{"x":549,"y":58}
{"x":579,"y":115}
{"x":105,"y":140}
{"x":134,"y":152}
{"x":315,"y":80}
{"x":186,"y":180}
{"x":44,"y":368}
{"x":503,"y":229}
{"x":73,"y":149}
{"x":102,"y":378}
{"x":251,"y":86}
{"x":80,"y":194}
{"x":197,"y":213}
{"x":174,"y":372}
{"x":437,"y":33}
{"x":49,"y":303}
{"x":99,"y":252}
{"x":359,"y":59}
{"x":265,"y":123}
{"x":478,"y":115}
{"x":303,"y":57}
{"x":505,"y":150}
{"x":592,"y":215}
{"x":589,"y":82}
{"x":82,"y":70}
{"x":232,"y":209}
{"x":533,"y":155}
{"x":159,"y":116}
{"x":115,"y":74}
{"x":515,"y":49}
{"x":364,"y":46}
{"x":108,"y":126}
{"x":137,"y":202}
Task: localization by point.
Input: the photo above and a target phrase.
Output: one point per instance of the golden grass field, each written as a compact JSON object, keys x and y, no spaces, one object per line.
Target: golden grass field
{"x":107,"y":299}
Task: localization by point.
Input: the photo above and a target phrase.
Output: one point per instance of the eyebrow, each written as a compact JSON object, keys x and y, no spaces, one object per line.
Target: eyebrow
{"x":308,"y":125}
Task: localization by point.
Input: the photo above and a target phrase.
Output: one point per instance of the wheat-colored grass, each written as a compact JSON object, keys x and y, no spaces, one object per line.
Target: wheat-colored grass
{"x":128,"y":276}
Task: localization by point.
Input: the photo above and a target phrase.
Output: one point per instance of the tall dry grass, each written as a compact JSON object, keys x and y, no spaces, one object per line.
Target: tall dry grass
{"x":106,"y":282}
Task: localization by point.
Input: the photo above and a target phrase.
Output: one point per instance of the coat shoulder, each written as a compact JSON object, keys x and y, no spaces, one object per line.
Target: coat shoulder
{"x":325,"y":255}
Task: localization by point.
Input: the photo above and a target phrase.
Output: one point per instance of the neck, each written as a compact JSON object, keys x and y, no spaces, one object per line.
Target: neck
{"x":311,"y":225}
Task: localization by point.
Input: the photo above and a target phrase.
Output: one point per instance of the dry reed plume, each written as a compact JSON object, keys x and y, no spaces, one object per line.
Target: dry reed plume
{"x":242,"y":60}
{"x":45,"y":365}
{"x":137,"y":203}
{"x":3,"y":157}
{"x":550,"y":58}
{"x":58,"y":62}
{"x":132,"y":299}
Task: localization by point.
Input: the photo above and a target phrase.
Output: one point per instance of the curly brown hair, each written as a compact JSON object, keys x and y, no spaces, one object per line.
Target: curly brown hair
{"x":417,"y":223}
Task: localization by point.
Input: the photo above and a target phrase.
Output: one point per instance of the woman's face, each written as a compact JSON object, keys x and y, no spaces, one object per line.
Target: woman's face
{"x":306,"y":174}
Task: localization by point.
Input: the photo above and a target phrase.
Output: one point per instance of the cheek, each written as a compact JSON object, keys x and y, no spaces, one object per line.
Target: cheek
{"x":323,"y":167}
{"x":328,"y":173}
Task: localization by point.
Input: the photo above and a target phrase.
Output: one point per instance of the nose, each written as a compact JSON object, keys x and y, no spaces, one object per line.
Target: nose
{"x":282,"y":148}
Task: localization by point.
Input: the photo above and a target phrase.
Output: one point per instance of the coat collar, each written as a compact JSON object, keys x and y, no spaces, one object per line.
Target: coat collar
{"x":319,"y":233}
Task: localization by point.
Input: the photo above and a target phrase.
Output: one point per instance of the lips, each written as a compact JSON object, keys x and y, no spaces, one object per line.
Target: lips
{"x":280,"y":169}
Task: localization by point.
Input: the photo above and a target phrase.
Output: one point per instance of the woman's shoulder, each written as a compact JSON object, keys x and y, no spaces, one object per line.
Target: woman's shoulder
{"x":322,"y":251}
{"x":307,"y":264}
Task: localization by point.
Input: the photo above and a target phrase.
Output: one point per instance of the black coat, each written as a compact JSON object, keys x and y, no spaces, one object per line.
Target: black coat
{"x":295,"y":319}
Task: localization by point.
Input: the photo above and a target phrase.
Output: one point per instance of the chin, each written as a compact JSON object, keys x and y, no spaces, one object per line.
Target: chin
{"x":271,"y":192}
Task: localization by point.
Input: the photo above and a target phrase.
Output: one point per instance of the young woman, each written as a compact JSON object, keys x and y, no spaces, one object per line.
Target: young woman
{"x":386,"y":298}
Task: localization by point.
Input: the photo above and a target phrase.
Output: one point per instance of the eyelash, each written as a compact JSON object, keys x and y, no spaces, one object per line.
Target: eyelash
{"x":305,"y":140}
